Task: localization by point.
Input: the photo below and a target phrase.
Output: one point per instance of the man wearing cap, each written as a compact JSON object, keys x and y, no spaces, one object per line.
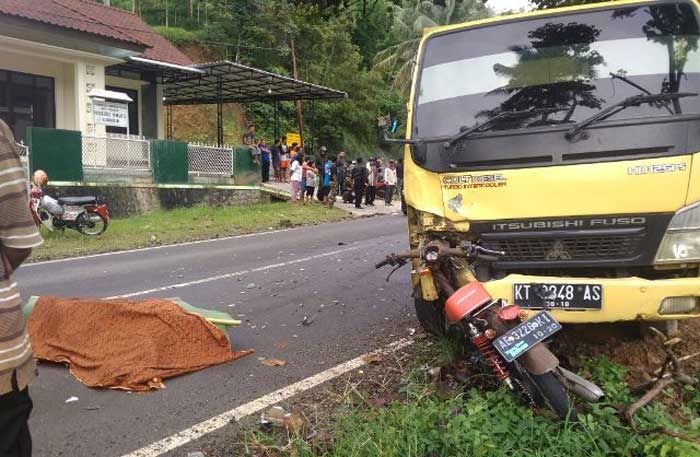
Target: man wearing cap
{"x":18,"y":235}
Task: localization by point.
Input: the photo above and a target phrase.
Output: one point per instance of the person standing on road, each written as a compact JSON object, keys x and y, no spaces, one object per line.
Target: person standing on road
{"x":295,"y":178}
{"x":341,"y":171}
{"x":18,"y":236}
{"x":284,"y":164}
{"x":275,"y":153}
{"x":332,"y":180}
{"x":372,"y":180}
{"x":321,"y":167}
{"x":265,"y":160}
{"x":390,"y":182}
{"x":399,"y":184}
{"x":310,"y":181}
{"x":359,"y":180}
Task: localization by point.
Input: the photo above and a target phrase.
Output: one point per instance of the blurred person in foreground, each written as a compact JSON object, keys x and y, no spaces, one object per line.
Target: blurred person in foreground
{"x":18,"y":236}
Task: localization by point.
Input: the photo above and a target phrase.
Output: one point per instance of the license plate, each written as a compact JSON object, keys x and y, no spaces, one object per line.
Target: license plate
{"x":522,"y":338}
{"x":566,"y":296}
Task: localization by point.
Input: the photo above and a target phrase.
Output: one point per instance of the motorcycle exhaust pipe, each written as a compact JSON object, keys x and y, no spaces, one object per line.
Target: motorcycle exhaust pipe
{"x":580,"y":386}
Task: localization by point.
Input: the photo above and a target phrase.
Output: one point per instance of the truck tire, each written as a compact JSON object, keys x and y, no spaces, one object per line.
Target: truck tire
{"x":430,"y":314}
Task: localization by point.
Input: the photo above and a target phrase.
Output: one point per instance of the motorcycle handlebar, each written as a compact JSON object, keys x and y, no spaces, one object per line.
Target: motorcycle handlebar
{"x":467,"y":250}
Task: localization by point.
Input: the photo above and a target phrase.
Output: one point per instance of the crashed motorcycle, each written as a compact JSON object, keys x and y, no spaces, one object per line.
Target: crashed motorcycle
{"x":509,"y":340}
{"x":86,"y":215}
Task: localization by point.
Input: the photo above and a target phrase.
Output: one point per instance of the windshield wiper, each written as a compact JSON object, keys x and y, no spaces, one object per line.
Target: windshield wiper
{"x":490,"y":123}
{"x":635,"y":100}
{"x":626,"y":80}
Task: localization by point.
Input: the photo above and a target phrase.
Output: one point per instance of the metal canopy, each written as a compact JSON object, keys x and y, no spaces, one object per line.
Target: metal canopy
{"x":230,"y":82}
{"x":152,"y":70}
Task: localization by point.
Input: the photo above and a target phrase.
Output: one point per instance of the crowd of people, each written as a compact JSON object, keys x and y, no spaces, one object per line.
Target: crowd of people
{"x":326,"y":176}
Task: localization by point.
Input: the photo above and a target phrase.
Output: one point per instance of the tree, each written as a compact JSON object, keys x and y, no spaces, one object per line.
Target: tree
{"x":552,"y":73}
{"x":675,"y":27}
{"x":409,"y":22}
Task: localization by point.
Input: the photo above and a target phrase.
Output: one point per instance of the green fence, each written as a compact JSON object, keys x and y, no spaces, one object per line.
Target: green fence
{"x":245,"y":172}
{"x":169,"y":161}
{"x":58,"y":152}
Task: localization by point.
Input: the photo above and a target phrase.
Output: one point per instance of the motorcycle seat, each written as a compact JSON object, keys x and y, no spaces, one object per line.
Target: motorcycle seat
{"x":78,"y":201}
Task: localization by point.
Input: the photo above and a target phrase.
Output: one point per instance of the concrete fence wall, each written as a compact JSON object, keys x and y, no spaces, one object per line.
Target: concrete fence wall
{"x":130,"y":199}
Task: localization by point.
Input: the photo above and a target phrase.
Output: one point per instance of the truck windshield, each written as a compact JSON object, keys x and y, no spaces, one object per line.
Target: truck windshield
{"x":563,"y":68}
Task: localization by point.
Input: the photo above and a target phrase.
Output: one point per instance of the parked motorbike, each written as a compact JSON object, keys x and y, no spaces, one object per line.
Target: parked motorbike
{"x":508,"y":340}
{"x":86,"y":215}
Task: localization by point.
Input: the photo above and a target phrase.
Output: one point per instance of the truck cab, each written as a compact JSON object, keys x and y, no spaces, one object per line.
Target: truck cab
{"x":569,"y":139}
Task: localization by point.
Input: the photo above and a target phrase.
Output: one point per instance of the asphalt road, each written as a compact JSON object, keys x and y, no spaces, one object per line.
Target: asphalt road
{"x":324,"y":272}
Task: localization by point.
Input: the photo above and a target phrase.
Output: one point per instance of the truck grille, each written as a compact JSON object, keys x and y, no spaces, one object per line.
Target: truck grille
{"x":592,"y":248}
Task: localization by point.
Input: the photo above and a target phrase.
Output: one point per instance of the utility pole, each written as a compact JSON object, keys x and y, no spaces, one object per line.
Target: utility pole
{"x":300,"y":117}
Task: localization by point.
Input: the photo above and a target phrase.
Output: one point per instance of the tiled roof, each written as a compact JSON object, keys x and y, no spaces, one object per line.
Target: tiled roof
{"x":97,"y":19}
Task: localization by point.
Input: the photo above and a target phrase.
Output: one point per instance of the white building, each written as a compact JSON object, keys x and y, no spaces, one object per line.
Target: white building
{"x":54,"y":52}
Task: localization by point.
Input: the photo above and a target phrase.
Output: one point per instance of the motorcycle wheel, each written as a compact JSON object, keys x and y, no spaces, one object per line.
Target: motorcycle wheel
{"x":430,"y":314}
{"x":554,"y":393}
{"x":91,"y":223}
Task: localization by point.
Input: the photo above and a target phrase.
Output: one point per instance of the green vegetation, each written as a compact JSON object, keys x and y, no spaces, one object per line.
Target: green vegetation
{"x":432,"y":420}
{"x":184,"y":224}
{"x":363,"y":47}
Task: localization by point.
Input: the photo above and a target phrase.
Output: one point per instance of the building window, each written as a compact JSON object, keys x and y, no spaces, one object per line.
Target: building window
{"x":26,"y":101}
{"x":133,"y":112}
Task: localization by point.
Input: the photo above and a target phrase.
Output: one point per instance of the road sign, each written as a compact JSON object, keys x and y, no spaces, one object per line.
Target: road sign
{"x":293,"y":138}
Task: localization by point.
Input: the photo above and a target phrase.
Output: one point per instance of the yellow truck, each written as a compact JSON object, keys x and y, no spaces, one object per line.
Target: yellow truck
{"x":570,"y":140}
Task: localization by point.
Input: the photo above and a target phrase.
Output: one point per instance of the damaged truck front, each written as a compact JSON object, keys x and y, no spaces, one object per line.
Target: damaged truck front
{"x":569,"y":139}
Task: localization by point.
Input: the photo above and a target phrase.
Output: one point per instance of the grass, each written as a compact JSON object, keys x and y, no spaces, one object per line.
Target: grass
{"x":476,"y":423}
{"x":181,"y":225}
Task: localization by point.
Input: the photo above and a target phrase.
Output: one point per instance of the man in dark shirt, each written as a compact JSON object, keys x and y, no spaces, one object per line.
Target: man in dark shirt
{"x":321,"y":165}
{"x":275,"y":152}
{"x":359,"y":181}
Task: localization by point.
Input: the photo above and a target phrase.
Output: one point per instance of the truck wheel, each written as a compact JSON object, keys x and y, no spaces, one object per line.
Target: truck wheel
{"x":429,"y":314}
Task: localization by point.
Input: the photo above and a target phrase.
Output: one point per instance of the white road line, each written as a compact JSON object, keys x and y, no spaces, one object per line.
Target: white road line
{"x":234,"y":274}
{"x":210,"y":425}
{"x":152,"y":248}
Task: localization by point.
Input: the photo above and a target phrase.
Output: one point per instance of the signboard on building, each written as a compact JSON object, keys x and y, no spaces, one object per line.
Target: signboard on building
{"x":293,"y":138}
{"x":112,"y":114}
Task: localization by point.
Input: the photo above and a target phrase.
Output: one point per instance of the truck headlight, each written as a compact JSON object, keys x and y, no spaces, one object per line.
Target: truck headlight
{"x":681,"y":243}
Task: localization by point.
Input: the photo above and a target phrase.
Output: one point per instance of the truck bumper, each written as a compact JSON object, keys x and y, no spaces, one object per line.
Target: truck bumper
{"x":624,"y":299}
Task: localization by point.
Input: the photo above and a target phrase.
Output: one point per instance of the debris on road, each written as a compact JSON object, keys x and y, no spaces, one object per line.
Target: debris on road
{"x":274,"y":416}
{"x":372,"y":359}
{"x":295,"y":423}
{"x":72,"y":399}
{"x":308,"y":321}
{"x":251,"y":286}
{"x":272,"y":362}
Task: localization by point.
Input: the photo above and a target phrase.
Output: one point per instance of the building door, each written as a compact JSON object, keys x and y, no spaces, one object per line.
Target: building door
{"x":26,"y":101}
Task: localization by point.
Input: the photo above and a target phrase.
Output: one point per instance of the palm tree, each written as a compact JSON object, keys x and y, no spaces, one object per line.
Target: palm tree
{"x":410,"y":21}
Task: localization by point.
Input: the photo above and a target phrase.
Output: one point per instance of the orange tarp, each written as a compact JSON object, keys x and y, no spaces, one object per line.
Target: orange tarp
{"x":118,"y":344}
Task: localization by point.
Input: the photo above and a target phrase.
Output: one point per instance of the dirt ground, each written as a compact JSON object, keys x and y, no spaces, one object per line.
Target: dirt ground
{"x":626,"y":344}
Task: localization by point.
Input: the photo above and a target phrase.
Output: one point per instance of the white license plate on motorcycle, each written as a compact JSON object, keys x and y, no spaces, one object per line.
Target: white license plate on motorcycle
{"x":517,"y":341}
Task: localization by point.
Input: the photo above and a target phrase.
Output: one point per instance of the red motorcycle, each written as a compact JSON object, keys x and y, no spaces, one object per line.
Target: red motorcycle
{"x":509,"y":343}
{"x":86,"y":215}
